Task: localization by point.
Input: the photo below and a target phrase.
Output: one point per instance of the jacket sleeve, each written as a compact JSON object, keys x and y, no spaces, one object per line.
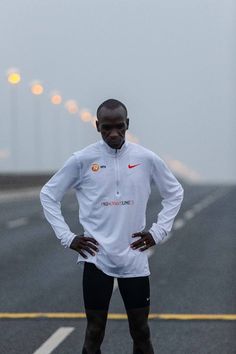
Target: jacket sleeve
{"x":171,"y":192}
{"x":51,"y":195}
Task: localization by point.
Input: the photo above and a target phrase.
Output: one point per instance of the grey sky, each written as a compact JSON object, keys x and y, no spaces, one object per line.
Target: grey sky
{"x":171,"y":62}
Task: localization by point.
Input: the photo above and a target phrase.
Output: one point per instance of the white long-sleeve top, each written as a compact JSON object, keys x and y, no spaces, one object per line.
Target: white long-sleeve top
{"x":112,"y":188}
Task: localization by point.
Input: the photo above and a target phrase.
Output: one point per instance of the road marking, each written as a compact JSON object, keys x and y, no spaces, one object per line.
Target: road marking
{"x":189,"y":214}
{"x":190,"y":317}
{"x":115,"y":285}
{"x":199,"y":206}
{"x":119,"y":316}
{"x":53,"y":341}
{"x":178,"y":224}
{"x":12,"y":224}
{"x":22,"y":194}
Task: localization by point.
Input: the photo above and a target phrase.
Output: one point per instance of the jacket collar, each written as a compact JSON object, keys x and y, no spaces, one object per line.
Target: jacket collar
{"x":114,"y":152}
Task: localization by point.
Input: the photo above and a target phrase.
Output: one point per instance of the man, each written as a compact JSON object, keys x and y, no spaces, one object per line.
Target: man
{"x":112,"y":179}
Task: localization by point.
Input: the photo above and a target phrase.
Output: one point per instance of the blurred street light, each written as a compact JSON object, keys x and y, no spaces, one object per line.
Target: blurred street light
{"x":71,"y":106}
{"x":14,"y":78}
{"x":37,"y":90}
{"x":56,"y":98}
{"x":86,"y":116}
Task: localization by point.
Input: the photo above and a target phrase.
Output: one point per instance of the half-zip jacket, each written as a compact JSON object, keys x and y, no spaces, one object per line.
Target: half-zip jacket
{"x":117,"y":174}
{"x":112,"y":187}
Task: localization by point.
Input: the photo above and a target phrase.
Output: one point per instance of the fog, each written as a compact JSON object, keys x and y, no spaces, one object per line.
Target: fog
{"x":172,"y":63}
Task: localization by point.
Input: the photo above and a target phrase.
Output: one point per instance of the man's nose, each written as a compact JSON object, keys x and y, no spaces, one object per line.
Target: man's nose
{"x":114,"y":133}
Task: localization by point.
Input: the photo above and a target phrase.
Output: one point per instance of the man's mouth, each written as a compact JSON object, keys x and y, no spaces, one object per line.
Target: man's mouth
{"x":115,"y":143}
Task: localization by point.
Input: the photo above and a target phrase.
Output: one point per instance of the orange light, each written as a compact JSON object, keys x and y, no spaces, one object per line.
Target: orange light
{"x":56,"y":99}
{"x":86,"y":116}
{"x":37,"y":89}
{"x":71,"y":106}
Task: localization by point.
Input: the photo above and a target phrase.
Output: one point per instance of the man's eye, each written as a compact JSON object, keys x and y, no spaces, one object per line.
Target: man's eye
{"x":120,"y":126}
{"x":108,"y":127}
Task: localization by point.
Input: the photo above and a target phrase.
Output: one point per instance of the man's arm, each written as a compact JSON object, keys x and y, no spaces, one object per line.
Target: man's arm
{"x":172,"y":193}
{"x":51,"y":195}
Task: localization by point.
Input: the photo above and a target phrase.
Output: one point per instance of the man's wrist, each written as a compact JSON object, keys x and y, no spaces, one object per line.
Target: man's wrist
{"x":160,"y":236}
{"x":155,"y":237}
{"x":71,"y":243}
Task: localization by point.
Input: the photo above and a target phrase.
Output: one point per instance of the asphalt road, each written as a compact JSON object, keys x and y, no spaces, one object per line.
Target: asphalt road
{"x":192,"y":273}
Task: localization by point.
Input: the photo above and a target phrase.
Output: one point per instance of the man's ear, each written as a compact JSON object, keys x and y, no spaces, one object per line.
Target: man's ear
{"x":127,"y":122}
{"x":97,"y":125}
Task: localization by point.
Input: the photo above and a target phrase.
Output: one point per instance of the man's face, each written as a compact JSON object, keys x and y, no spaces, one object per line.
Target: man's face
{"x":112,"y":125}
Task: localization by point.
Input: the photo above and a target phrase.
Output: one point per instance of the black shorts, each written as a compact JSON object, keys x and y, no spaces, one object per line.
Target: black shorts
{"x":98,"y":287}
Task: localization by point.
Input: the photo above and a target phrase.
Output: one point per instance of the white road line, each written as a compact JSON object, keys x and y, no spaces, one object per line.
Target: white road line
{"x":115,"y":285}
{"x":178,"y":224}
{"x":22,"y":194}
{"x":53,"y":341}
{"x":17,"y":222}
{"x":197,"y":207}
{"x":204,"y":203}
{"x":189,"y":214}
{"x":208,"y":200}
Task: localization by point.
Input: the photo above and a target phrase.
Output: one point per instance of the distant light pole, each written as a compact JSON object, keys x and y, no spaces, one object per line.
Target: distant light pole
{"x":14,"y":78}
{"x":56,"y":100}
{"x":37,"y":90}
{"x":72,"y":107}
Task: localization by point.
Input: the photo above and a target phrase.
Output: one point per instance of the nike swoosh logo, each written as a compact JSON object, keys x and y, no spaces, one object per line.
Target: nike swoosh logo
{"x":132,"y":166}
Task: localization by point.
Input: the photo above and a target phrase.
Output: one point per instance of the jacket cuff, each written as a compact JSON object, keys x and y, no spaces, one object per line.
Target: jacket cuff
{"x":158,"y":236}
{"x":69,"y":240}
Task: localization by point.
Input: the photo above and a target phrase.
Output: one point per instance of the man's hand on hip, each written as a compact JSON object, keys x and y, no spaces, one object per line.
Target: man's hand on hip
{"x":146,"y":241}
{"x":83,"y":243}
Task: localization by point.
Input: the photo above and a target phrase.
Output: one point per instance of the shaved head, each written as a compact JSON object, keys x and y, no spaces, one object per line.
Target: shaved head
{"x":111,"y":104}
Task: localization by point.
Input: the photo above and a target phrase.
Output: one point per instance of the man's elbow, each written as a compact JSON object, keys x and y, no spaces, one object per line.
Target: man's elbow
{"x":48,"y":195}
{"x":43,"y":195}
{"x":179,"y":194}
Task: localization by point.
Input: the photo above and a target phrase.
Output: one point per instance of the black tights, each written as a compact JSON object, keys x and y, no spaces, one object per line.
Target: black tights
{"x":97,"y":291}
